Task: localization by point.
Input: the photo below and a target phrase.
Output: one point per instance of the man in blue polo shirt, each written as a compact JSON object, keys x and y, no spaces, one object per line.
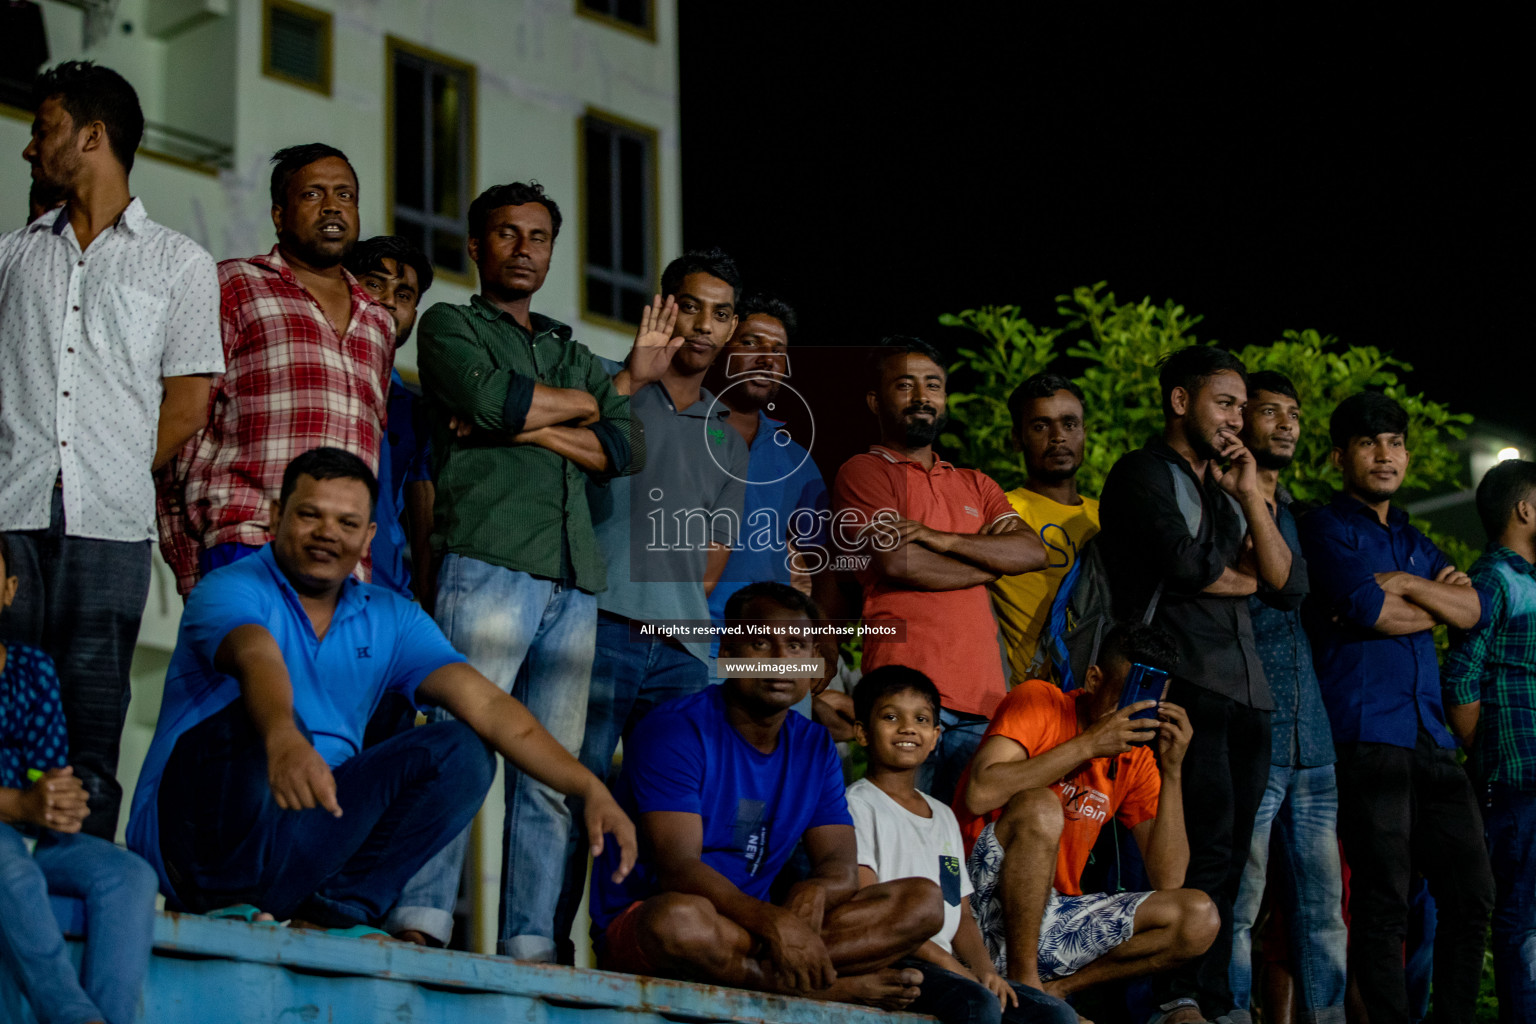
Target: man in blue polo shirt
{"x":1379,"y":587}
{"x":281,"y":660}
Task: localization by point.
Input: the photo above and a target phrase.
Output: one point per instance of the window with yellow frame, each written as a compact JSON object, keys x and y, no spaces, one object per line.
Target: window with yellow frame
{"x":431,"y":104}
{"x":296,"y":44}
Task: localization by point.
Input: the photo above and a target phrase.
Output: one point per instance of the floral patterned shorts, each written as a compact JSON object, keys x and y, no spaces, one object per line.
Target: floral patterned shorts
{"x":1076,"y":931}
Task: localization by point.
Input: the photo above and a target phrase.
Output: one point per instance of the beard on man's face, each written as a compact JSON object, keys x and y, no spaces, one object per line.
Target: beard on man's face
{"x":919,"y":433}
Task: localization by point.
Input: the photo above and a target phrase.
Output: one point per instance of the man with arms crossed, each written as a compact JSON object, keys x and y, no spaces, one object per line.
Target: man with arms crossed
{"x":521,"y":565}
{"x":110,"y":335}
{"x":1379,"y":587}
{"x":936,"y":535}
{"x":724,"y":785}
{"x":1051,"y":771}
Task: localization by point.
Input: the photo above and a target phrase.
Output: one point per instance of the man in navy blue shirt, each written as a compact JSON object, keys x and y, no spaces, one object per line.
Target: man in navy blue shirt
{"x":1379,"y":587}
{"x":282,"y":659}
{"x":725,"y":784}
{"x":398,"y":274}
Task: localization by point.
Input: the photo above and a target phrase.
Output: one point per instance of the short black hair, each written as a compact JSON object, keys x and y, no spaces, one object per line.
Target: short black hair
{"x":329,"y":464}
{"x":5,"y":559}
{"x":369,"y":256}
{"x":714,"y":262}
{"x":1189,"y":368}
{"x":762,"y":304}
{"x":1041,"y":385}
{"x":290,"y":161}
{"x":1501,"y":489}
{"x":90,"y":92}
{"x":886,"y":680}
{"x":515,"y":193}
{"x":1137,"y":643}
{"x":900,"y":345}
{"x":1367,"y":414}
{"x":782,"y":594}
{"x":1273,"y":381}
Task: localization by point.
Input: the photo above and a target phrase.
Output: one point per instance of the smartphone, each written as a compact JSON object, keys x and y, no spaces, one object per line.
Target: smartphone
{"x":1143,"y":682}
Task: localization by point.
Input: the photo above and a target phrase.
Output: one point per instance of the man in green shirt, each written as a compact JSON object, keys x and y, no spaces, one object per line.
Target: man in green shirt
{"x":521,"y":566}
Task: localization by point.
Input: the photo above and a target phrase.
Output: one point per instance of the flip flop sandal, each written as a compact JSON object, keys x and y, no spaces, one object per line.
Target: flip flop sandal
{"x":359,"y":931}
{"x":242,"y":912}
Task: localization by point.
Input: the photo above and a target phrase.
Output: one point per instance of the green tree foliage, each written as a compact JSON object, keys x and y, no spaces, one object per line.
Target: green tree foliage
{"x":1115,"y":349}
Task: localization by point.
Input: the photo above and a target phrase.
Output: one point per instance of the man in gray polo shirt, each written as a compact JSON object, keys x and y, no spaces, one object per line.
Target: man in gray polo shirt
{"x":667,"y":531}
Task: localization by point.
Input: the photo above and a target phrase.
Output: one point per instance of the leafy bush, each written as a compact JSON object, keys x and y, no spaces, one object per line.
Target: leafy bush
{"x":1115,"y":349}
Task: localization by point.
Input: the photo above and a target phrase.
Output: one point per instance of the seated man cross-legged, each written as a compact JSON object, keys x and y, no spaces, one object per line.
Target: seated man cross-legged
{"x":726,"y":783}
{"x":258,"y":790}
{"x":1051,"y":770}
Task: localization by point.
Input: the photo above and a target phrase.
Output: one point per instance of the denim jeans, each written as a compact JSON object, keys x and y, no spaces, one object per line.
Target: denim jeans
{"x":119,"y":893}
{"x":630,"y":676}
{"x":957,"y":1000}
{"x":533,"y":638}
{"x":225,"y":840}
{"x":940,"y":774}
{"x":81,"y":601}
{"x":1509,"y":819}
{"x":1301,"y":805}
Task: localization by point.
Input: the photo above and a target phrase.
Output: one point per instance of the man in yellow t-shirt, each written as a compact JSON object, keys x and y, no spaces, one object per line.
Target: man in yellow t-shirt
{"x":1047,"y":411}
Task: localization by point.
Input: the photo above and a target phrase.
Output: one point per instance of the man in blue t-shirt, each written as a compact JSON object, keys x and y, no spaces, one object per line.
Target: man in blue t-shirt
{"x":281,"y":661}
{"x":726,"y":783}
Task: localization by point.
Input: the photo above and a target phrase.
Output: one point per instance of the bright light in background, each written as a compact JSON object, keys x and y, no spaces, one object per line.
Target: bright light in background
{"x":1505,"y":454}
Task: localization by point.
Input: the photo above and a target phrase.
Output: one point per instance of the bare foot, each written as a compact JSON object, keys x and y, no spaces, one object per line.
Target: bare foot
{"x":889,"y":989}
{"x":414,"y":937}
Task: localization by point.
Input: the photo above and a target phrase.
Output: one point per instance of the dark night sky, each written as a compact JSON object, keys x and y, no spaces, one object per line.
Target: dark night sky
{"x":1357,"y":176}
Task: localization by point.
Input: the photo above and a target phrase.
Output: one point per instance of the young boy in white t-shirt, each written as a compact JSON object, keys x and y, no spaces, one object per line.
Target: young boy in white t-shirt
{"x":903,"y":833}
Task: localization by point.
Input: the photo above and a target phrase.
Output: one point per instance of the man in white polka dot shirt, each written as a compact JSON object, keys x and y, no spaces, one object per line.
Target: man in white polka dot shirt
{"x":109,"y":335}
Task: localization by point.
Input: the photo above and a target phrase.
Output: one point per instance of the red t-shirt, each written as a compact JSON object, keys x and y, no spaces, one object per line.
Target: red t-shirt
{"x":951,"y":634}
{"x":1038,"y":716}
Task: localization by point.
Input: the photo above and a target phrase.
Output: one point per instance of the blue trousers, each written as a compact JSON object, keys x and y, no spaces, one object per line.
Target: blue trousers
{"x":1300,"y":809}
{"x":225,"y":840}
{"x":119,"y":893}
{"x":1509,"y":823}
{"x":533,"y":638}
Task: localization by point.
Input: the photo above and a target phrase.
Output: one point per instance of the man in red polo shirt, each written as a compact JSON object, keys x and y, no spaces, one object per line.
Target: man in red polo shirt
{"x":936,"y":536}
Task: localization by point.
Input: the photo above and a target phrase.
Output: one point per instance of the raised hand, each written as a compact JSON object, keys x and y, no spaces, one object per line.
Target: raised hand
{"x":654,"y":344}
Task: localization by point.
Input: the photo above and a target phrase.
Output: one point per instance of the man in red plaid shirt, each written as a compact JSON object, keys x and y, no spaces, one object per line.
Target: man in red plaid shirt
{"x":308,"y":356}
